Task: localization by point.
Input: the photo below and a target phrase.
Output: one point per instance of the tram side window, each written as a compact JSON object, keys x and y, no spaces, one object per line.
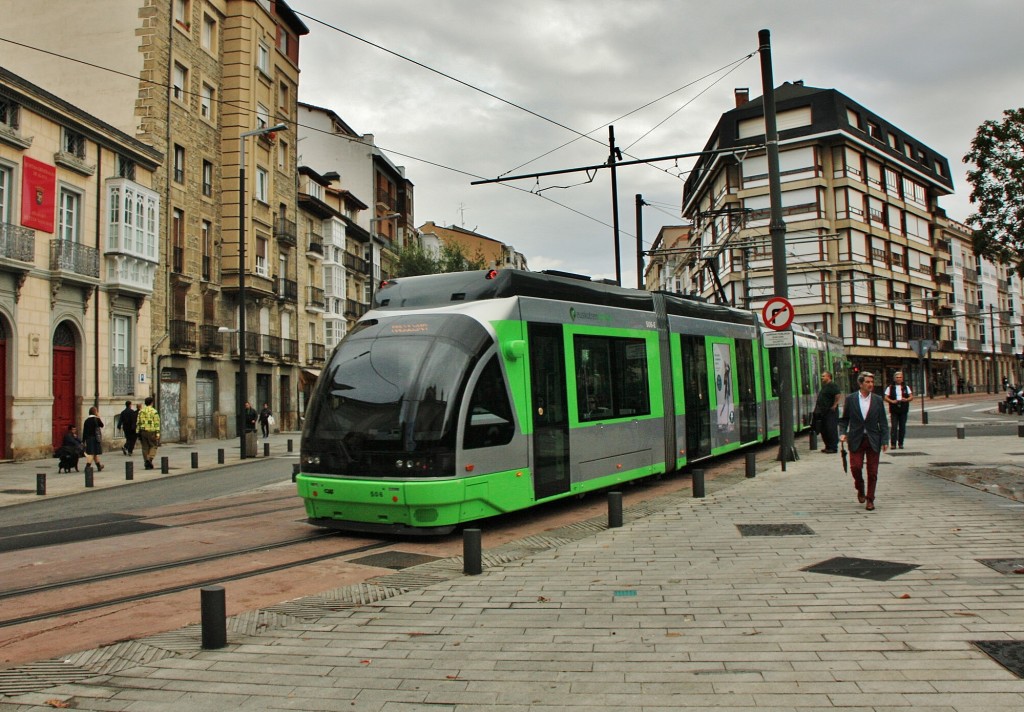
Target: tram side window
{"x":611,"y":378}
{"x":490,"y":419}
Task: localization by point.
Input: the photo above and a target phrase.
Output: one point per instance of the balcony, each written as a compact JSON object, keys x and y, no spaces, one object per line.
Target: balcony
{"x":252,"y":344}
{"x":290,"y":350}
{"x":943,"y":278}
{"x":315,"y":246}
{"x":287,"y":290}
{"x":178,"y":260}
{"x":284,"y":231}
{"x":315,"y":353}
{"x":74,"y":258}
{"x":123,"y":380}
{"x":354,"y":309}
{"x":211,"y":341}
{"x":209,"y":274}
{"x":270,"y":346}
{"x":356,"y":263}
{"x":183,"y":335}
{"x":315,"y":300}
{"x":17,"y":243}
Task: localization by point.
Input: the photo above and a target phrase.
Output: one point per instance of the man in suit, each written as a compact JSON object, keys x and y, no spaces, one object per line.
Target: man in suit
{"x":864,"y":425}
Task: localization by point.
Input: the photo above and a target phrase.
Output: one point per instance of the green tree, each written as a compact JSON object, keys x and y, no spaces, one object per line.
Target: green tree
{"x":997,"y":189}
{"x":414,"y":260}
{"x":453,"y":259}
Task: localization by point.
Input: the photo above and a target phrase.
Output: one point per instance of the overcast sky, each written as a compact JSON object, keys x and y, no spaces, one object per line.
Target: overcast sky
{"x":934,"y":68}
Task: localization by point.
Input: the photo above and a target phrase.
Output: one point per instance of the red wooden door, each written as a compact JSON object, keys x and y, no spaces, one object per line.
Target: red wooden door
{"x":63,"y":391}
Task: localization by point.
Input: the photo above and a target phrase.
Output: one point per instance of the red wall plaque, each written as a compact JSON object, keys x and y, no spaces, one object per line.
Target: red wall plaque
{"x":38,"y":194}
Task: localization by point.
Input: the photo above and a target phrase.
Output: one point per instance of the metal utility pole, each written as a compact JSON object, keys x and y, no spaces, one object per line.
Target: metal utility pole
{"x":639,"y":242}
{"x":613,"y":155}
{"x":992,"y":340}
{"x":777,"y":231}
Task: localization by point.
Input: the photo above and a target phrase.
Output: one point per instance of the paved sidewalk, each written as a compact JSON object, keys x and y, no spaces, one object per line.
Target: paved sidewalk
{"x":18,"y":480}
{"x":693,"y":603}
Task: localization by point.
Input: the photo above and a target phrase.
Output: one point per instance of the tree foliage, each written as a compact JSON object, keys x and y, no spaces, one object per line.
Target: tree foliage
{"x":414,"y":260}
{"x":997,"y":189}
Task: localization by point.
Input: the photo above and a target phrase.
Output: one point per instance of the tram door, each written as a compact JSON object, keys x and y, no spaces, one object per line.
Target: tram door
{"x":697,"y":397}
{"x":747,"y":390}
{"x":550,"y":410}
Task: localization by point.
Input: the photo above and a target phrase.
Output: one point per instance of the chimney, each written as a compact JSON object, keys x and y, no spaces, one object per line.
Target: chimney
{"x":742,"y":96}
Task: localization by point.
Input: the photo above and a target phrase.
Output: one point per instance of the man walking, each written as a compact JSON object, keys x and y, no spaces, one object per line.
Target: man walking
{"x":149,"y":431}
{"x":128,"y":420}
{"x":864,"y":424}
{"x":898,"y":395}
{"x":826,"y":413}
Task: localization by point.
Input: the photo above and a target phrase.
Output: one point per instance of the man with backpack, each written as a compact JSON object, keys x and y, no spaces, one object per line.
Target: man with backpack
{"x":898,"y":395}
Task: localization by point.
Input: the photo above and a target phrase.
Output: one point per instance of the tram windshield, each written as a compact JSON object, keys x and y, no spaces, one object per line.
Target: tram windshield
{"x":388,"y":401}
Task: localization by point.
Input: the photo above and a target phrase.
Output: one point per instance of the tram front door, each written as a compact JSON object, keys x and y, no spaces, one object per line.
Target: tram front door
{"x":550,"y":410}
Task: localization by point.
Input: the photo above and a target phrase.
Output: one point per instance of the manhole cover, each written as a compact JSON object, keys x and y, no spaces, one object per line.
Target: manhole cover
{"x":1004,"y":566}
{"x":1008,"y":653}
{"x":861,"y":568}
{"x":395,"y":560}
{"x":774,"y":529}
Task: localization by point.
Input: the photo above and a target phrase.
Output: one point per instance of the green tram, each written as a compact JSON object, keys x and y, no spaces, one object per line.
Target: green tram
{"x":466,"y":395}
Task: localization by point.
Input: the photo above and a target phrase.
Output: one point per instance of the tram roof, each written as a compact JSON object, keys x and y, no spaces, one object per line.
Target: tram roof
{"x":436,"y":290}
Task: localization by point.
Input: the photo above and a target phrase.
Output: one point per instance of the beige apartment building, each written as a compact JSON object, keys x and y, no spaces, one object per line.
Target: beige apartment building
{"x":211,"y":71}
{"x":493,"y":252}
{"x":860,"y":198}
{"x":79,"y":233}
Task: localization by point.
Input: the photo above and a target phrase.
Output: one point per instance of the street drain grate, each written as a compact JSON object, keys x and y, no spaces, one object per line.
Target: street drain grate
{"x":903,"y":452}
{"x":952,"y":464}
{"x":775,"y":530}
{"x":1008,"y":653}
{"x":861,"y":568}
{"x":397,"y":560}
{"x":18,"y":491}
{"x":1003,"y":566}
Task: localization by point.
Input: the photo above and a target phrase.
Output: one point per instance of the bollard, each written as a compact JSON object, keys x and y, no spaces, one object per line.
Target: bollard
{"x":214,"y":617}
{"x":88,"y":475}
{"x":961,"y":432}
{"x":195,"y":460}
{"x":614,"y":510}
{"x":165,"y":465}
{"x":471,"y":552}
{"x":924,"y":419}
{"x":1020,"y":430}
{"x":40,"y":483}
{"x":129,"y":470}
{"x":266,"y":449}
{"x":813,"y":436}
{"x":289,"y":444}
{"x":220,"y":456}
{"x":751,"y":464}
{"x":295,"y":470}
{"x":698,"y":483}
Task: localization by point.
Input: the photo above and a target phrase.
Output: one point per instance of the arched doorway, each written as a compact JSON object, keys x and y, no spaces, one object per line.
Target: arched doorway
{"x":64,"y":394}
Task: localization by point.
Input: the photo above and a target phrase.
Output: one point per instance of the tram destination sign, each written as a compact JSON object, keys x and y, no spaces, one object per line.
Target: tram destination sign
{"x":777,"y":339}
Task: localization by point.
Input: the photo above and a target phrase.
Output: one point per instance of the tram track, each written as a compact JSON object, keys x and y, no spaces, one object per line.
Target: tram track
{"x":167,"y":590}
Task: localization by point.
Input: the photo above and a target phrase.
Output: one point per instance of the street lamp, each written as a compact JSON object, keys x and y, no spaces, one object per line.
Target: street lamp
{"x":243,"y":384}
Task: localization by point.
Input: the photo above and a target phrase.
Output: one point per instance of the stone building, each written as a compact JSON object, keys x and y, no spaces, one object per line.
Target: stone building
{"x":79,"y":233}
{"x":668,"y":253}
{"x":210,"y":71}
{"x":860,"y":199}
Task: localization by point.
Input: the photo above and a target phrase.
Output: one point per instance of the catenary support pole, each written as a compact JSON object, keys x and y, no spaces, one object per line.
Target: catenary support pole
{"x":639,"y":241}
{"x":613,"y":156}
{"x":777,"y":231}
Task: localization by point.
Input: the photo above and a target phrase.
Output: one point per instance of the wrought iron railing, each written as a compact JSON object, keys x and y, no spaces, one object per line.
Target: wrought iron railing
{"x":123,"y":380}
{"x":285,"y":231}
{"x":178,"y":260}
{"x":316,"y":243}
{"x":270,"y":345}
{"x":355,"y":262}
{"x":316,"y":353}
{"x":354,"y":309}
{"x":183,"y":335}
{"x":17,"y":243}
{"x":315,"y":297}
{"x":74,"y":257}
{"x":288,"y":289}
{"x":211,"y":340}
{"x":252,"y":344}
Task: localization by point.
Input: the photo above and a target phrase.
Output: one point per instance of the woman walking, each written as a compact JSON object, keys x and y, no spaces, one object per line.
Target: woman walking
{"x":92,"y":435}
